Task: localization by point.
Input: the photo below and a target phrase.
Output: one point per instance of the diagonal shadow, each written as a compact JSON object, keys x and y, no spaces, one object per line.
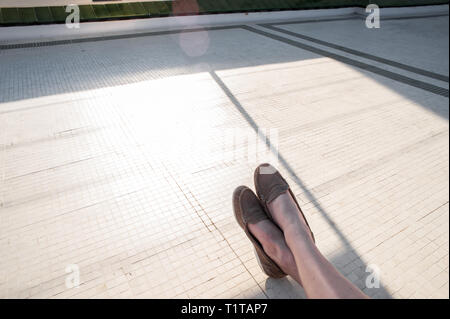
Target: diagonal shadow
{"x":359,"y":265}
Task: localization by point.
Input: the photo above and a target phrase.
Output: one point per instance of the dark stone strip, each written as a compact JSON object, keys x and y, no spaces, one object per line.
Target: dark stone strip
{"x":111,"y":37}
{"x":372,"y":57}
{"x":376,"y":70}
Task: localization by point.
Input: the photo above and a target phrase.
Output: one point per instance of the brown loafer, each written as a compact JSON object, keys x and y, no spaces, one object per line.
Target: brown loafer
{"x":269,"y":184}
{"x":247,"y":209}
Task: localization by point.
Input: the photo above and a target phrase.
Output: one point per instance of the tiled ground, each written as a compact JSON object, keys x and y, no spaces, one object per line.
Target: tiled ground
{"x":116,"y":156}
{"x":397,"y":37}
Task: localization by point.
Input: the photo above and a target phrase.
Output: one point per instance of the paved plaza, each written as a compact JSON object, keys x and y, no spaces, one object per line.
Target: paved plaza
{"x":118,"y":157}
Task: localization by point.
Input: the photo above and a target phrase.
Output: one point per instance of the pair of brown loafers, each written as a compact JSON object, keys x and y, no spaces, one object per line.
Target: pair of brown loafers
{"x":250,"y":209}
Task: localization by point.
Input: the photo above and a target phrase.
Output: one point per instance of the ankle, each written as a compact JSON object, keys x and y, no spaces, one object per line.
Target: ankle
{"x":271,"y":249}
{"x":298,"y":233}
{"x":285,"y":259}
{"x":280,"y":253}
{"x":286,"y":218}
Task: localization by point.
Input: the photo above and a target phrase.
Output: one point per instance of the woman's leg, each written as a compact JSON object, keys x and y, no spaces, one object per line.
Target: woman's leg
{"x":319,"y":277}
{"x":274,"y":244}
{"x":297,"y":255}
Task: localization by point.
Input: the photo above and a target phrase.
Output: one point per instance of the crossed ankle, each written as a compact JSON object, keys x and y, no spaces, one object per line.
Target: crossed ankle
{"x":280,"y":253}
{"x":298,"y":232}
{"x":286,"y":219}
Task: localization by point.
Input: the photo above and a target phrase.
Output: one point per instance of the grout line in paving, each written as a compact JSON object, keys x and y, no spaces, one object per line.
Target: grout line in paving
{"x":214,"y":225}
{"x":432,"y":211}
{"x":79,"y":208}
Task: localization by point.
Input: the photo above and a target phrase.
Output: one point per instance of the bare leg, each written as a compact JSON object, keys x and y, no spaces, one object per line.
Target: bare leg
{"x":319,"y":277}
{"x":274,"y":244}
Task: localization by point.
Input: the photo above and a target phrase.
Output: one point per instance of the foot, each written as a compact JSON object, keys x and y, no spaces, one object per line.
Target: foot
{"x":275,"y":195}
{"x":288,"y":217}
{"x":274,"y":245}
